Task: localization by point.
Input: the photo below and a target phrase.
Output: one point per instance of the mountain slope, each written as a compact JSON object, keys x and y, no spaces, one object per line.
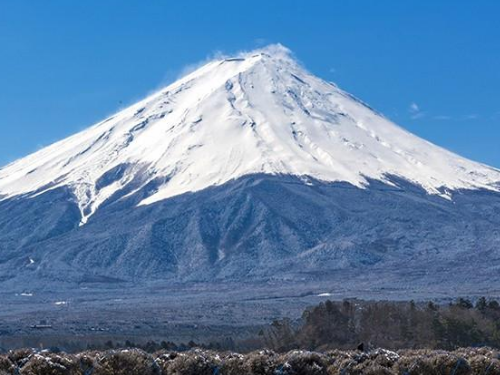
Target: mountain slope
{"x":257,"y":113}
{"x":259,"y":228}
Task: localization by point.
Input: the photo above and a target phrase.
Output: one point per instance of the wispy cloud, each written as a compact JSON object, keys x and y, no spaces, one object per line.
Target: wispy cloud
{"x":469,"y":117}
{"x":472,"y":116}
{"x":442,"y":117}
{"x":415,"y":111}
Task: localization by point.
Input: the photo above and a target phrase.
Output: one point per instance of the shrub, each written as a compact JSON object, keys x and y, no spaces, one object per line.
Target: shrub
{"x":432,"y":363}
{"x":195,"y":362}
{"x":447,"y":364}
{"x":261,"y":362}
{"x":20,"y":356}
{"x":125,"y":362}
{"x":413,"y":365}
{"x":377,"y":362}
{"x":50,"y":364}
{"x":233,"y":364}
{"x":6,"y":366}
{"x":163,"y":359}
{"x":481,"y":360}
{"x":299,"y":362}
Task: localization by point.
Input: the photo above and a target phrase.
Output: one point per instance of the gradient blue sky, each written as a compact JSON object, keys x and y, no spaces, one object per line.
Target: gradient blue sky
{"x":431,"y":66}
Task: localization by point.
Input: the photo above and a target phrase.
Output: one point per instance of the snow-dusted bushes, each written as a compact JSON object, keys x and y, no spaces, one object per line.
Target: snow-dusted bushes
{"x":299,"y":362}
{"x":416,"y":362}
{"x":263,"y":362}
{"x":50,"y":364}
{"x":6,"y":366}
{"x":125,"y":362}
{"x":468,"y":361}
{"x":20,"y":356}
{"x":195,"y":362}
{"x":376,"y":362}
{"x":112,"y":362}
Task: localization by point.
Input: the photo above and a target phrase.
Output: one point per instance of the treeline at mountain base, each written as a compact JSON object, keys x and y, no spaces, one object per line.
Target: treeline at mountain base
{"x":350,"y":323}
{"x":388,"y":324}
{"x":331,"y":325}
{"x":203,"y":362}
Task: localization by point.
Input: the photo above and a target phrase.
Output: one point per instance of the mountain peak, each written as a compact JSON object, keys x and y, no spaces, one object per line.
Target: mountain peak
{"x":275,"y":52}
{"x":257,"y":112}
{"x":275,"y":49}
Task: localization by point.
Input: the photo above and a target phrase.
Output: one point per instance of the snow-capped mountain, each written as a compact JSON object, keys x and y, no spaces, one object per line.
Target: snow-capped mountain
{"x":259,"y":112}
{"x":249,"y":168}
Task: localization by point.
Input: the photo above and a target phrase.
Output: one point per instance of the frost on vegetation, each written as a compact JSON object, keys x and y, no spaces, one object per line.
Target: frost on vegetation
{"x":468,"y":361}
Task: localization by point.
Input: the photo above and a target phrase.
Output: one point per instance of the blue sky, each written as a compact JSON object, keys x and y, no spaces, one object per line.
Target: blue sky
{"x":431,"y":66}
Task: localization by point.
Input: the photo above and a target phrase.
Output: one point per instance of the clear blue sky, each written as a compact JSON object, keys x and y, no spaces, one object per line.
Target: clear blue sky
{"x":431,"y":66}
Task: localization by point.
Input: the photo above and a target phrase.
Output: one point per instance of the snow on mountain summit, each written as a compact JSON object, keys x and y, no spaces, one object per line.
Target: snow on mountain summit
{"x":258,"y":112}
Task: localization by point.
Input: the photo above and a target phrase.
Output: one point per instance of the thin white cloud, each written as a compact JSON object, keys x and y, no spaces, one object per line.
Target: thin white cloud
{"x":472,"y":116}
{"x":414,"y":107}
{"x":415,"y":112}
{"x":442,"y":117}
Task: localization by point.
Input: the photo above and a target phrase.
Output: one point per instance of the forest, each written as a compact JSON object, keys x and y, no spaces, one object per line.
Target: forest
{"x":352,"y":324}
{"x":387,"y":324}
